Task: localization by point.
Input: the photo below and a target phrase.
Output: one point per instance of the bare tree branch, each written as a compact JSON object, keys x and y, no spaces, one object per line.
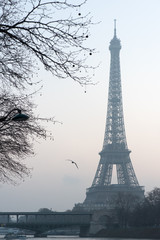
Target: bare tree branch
{"x":51,"y":32}
{"x":17,"y":137}
{"x":34,"y":34}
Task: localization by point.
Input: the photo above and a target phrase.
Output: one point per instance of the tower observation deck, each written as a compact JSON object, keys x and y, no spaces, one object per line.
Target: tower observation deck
{"x":115,"y":150}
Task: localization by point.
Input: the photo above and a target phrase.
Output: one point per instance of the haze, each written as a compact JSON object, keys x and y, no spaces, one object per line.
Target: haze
{"x":57,"y":184}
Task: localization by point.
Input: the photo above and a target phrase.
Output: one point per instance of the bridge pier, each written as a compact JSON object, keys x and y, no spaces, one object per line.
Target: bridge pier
{"x":100,"y":220}
{"x":90,"y":230}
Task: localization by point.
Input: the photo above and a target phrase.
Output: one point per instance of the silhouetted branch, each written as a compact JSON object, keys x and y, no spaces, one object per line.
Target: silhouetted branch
{"x":51,"y":32}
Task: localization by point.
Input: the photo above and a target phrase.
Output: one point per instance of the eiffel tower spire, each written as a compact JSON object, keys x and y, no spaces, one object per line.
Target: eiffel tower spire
{"x":115,"y":150}
{"x":114,"y":27}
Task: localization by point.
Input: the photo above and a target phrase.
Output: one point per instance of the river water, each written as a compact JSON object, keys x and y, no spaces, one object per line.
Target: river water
{"x":78,"y":238}
{"x":64,"y":237}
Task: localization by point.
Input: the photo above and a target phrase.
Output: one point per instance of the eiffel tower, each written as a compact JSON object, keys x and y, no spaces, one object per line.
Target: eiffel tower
{"x":115,"y":151}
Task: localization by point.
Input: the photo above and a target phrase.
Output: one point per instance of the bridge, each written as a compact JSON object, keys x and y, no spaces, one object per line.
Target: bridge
{"x":40,"y":222}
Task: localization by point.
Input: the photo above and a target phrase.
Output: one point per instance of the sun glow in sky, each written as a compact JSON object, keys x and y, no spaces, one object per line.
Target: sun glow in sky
{"x":56,"y":183}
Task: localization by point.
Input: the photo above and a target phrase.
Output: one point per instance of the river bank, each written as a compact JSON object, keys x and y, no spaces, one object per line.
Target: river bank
{"x":149,"y":233}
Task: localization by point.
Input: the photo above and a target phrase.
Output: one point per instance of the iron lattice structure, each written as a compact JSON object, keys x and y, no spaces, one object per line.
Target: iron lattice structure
{"x":115,"y":150}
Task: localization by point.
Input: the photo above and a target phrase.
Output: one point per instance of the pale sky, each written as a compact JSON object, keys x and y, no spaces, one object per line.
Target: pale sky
{"x":57,"y":184}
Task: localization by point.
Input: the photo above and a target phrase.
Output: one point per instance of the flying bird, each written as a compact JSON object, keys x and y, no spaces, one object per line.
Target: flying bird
{"x":72,"y":162}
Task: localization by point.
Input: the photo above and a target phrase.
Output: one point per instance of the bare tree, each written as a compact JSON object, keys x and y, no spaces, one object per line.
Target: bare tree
{"x":147,"y":213}
{"x":36,"y":33}
{"x":124,"y":204}
{"x":17,"y":137}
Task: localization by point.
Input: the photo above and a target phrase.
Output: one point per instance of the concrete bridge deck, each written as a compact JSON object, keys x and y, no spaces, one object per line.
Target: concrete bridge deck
{"x":63,"y":218}
{"x":39,"y":222}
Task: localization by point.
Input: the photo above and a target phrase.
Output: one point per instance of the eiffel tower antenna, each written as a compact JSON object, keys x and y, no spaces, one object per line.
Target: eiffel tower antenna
{"x":115,"y":151}
{"x":114,"y":27}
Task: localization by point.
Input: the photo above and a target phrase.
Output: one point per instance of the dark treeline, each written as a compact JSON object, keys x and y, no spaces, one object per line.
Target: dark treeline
{"x":133,"y":218}
{"x":147,"y":213}
{"x":144,"y":214}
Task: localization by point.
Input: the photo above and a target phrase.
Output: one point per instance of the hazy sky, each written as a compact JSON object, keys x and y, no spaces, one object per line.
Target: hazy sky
{"x":58,"y":184}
